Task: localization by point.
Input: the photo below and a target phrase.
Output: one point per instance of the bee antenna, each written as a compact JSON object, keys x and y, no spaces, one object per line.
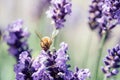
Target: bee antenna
{"x":38,"y":35}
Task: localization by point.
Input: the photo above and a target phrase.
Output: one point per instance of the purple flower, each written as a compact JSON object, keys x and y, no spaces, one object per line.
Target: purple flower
{"x":95,"y":12}
{"x":81,"y":74}
{"x":56,"y":62}
{"x":49,"y":65}
{"x":58,"y":10}
{"x":16,"y":38}
{"x":104,"y":15}
{"x":112,"y":62}
{"x":112,"y":8}
{"x":23,"y":67}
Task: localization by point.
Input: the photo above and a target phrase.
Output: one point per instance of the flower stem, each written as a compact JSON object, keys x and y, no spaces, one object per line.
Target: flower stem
{"x":105,"y":78}
{"x":100,"y":54}
{"x":54,"y":34}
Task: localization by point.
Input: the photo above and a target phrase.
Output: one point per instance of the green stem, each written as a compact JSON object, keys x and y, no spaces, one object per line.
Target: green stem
{"x":99,"y":55}
{"x":54,"y":34}
{"x":105,"y":78}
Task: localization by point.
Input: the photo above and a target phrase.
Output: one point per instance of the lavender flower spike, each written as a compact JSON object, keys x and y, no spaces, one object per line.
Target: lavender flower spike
{"x":95,"y":13}
{"x":54,"y":66}
{"x":104,"y":15}
{"x":16,"y":38}
{"x":58,"y":11}
{"x":81,"y":74}
{"x":48,"y":66}
{"x":23,"y":67}
{"x":112,"y":62}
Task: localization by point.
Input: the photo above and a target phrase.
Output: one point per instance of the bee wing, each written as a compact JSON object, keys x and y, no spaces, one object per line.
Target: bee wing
{"x":38,"y":35}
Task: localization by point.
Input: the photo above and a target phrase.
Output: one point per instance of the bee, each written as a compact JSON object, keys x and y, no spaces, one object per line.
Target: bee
{"x":45,"y":42}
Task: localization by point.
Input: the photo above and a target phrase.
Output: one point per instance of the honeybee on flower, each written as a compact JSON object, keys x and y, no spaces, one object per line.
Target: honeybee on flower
{"x":45,"y":42}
